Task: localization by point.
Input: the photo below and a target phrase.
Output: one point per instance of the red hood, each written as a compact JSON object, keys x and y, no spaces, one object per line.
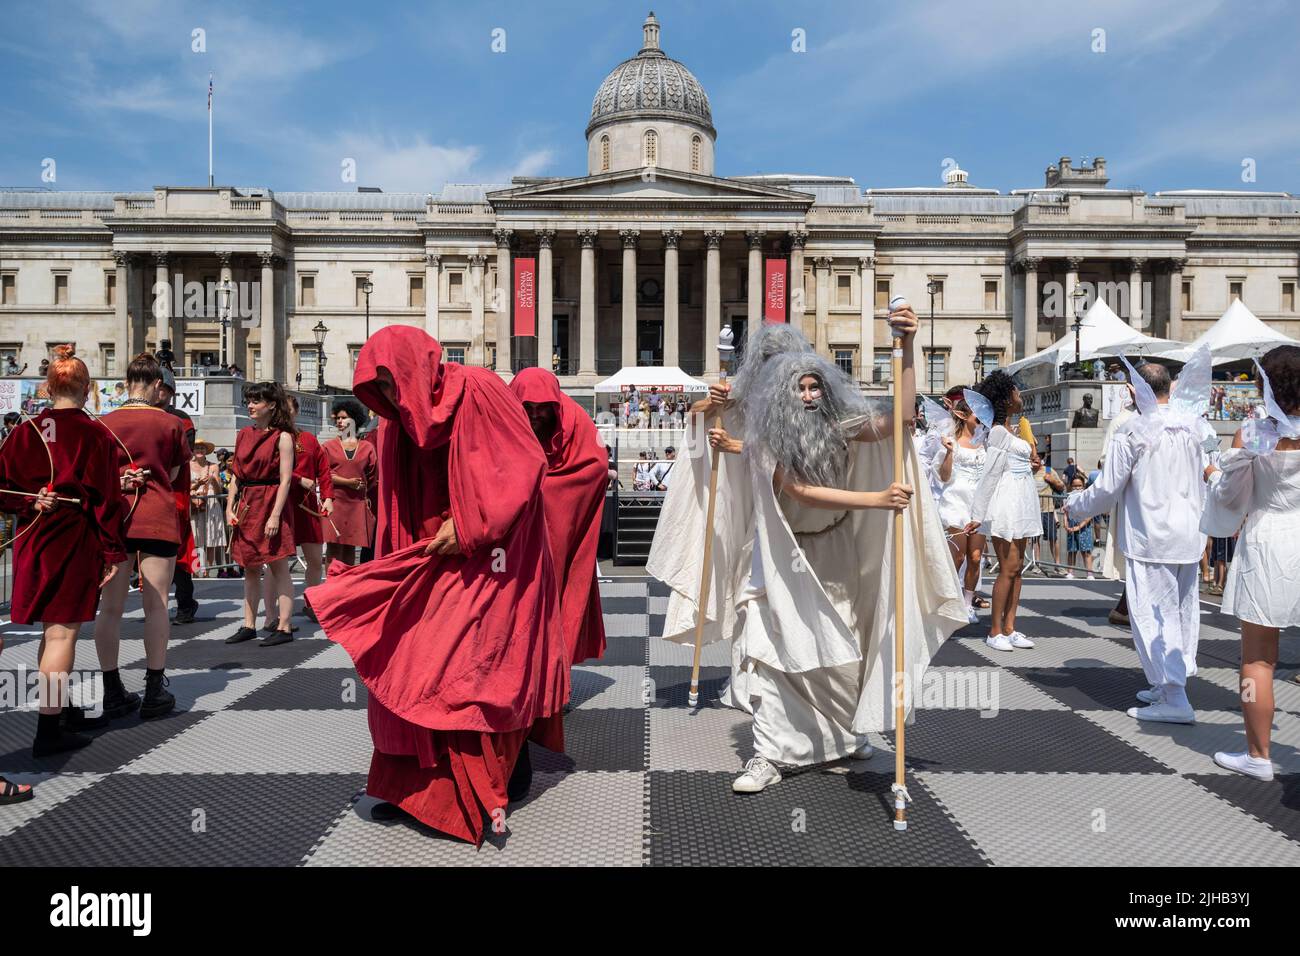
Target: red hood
{"x":427,"y":390}
{"x":539,"y":386}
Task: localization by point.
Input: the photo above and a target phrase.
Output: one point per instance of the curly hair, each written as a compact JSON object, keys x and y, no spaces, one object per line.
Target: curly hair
{"x":1282,"y":365}
{"x":997,"y":387}
{"x":353,"y":409}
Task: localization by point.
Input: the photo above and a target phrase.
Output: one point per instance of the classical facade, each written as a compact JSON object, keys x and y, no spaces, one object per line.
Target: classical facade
{"x":639,"y":261}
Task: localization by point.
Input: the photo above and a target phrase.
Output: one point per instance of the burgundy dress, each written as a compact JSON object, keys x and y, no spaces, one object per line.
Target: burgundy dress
{"x":58,"y":564}
{"x":353,"y":515}
{"x":257,"y":459}
{"x":156,"y":441}
{"x":309,"y":462}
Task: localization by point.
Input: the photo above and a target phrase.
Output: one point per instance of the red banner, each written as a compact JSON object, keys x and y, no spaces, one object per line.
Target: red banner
{"x":774,"y":275}
{"x":525,"y":297}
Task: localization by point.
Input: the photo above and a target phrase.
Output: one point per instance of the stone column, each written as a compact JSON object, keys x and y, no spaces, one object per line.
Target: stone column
{"x":432,"y":292}
{"x":545,"y":299}
{"x":121,"y":313}
{"x":501,"y":302}
{"x":1027,"y":337}
{"x":754,"y":292}
{"x":712,"y":299}
{"x":867,"y":333}
{"x":822,"y":270}
{"x":478,"y":333}
{"x":629,"y":237}
{"x":271,"y":351}
{"x":587,"y":304}
{"x":672,"y":327}
{"x":160,"y":300}
{"x":1059,"y":326}
{"x":1135,"y":317}
{"x":1175,"y":330}
{"x":798,"y":239}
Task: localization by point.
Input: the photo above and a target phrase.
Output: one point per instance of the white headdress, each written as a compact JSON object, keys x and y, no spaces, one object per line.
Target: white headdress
{"x":1261,"y":435}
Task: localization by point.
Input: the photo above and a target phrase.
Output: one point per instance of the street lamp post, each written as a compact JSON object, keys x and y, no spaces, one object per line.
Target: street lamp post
{"x":933,"y":288}
{"x":318,"y":332}
{"x":981,"y":341}
{"x":1079,"y":296}
{"x":368,"y":288}
{"x":224,"y":290}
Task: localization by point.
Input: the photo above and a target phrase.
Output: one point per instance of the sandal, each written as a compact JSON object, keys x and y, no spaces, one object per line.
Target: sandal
{"x":14,"y":792}
{"x":980,"y":602}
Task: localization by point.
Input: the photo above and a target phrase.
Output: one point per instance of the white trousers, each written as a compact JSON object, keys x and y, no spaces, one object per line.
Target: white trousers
{"x":1164,"y":610}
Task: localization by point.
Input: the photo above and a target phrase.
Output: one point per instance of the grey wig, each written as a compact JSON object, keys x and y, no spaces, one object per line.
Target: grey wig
{"x":809,"y":445}
{"x":774,"y":339}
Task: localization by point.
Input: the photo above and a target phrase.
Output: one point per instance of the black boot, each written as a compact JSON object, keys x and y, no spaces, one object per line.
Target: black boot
{"x":185,"y":615}
{"x":158,"y":701}
{"x":521,"y":779}
{"x":75,"y":719}
{"x":52,"y":739}
{"x":118,"y":701}
{"x":387,"y":812}
{"x":241,"y":635}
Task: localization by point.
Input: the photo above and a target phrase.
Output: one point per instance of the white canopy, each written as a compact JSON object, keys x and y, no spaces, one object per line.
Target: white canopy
{"x":664,"y":377}
{"x":1103,"y":334}
{"x":1237,"y":334}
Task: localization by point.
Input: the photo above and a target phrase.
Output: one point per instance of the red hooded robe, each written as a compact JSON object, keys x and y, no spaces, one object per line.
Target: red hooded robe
{"x":461,"y":653}
{"x":573,"y":493}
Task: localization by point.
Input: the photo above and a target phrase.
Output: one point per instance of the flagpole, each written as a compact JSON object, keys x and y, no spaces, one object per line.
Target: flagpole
{"x":210,"y":181}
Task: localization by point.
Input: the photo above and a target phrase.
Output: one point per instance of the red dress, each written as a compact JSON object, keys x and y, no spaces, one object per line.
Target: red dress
{"x":573,"y":493}
{"x":58,"y":564}
{"x":462,"y":654}
{"x":257,"y":459}
{"x":309,"y":462}
{"x":352,"y":516}
{"x":155,"y":440}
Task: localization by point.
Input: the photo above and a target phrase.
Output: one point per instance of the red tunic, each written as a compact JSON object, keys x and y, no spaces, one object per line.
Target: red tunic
{"x":257,"y":457}
{"x":58,"y":564}
{"x":156,"y":440}
{"x":352,"y":516}
{"x":309,"y":461}
{"x":462,"y":653}
{"x":573,"y":493}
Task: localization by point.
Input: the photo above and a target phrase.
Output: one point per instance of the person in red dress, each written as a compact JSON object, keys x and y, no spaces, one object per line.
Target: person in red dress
{"x":65,"y":553}
{"x":573,"y":492}
{"x":153,"y":454}
{"x":354,"y":470}
{"x":454,"y":626}
{"x":255,"y":508}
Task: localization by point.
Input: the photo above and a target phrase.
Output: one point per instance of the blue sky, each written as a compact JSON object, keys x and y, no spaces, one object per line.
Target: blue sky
{"x":885,"y":92}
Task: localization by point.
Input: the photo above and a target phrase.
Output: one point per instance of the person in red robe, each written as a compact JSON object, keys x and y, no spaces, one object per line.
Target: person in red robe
{"x":153,"y":458}
{"x":255,"y":508}
{"x":65,"y":553}
{"x":573,"y":493}
{"x":454,"y":626}
{"x":354,"y":468}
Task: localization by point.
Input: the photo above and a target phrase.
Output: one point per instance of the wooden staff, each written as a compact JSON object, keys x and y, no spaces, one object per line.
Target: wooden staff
{"x":725,"y":350}
{"x":900,"y":671}
{"x":33,"y":494}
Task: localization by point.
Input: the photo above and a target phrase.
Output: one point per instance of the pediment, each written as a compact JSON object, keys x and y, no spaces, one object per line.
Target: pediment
{"x":648,"y":184}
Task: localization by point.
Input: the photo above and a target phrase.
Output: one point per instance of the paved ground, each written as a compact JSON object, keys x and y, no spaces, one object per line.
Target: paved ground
{"x":1026,"y":758}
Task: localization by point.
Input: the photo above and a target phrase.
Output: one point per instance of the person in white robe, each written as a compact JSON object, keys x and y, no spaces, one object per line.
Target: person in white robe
{"x":1258,"y":482}
{"x":811,"y":615}
{"x":1155,"y":471}
{"x":958,"y":465}
{"x":1112,"y":559}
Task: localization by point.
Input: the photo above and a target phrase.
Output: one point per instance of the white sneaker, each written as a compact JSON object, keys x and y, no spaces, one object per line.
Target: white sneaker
{"x":1092,"y":577}
{"x":999,"y":642}
{"x":1151,"y":695}
{"x":1019,"y":640}
{"x":1070,"y":575}
{"x":1256,"y":767}
{"x":759,"y":775}
{"x":865,"y":752}
{"x":1164,"y":713}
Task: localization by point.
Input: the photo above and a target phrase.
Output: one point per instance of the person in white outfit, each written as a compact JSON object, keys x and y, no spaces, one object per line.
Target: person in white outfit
{"x":1006,"y":502}
{"x":1155,"y":471}
{"x":1260,"y":481}
{"x":959,"y":465}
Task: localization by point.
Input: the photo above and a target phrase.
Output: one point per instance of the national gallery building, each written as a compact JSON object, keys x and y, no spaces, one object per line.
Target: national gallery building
{"x":639,"y":260}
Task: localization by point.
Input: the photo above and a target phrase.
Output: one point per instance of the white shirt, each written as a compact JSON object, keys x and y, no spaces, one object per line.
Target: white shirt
{"x":1161,"y":492}
{"x":659,"y":473}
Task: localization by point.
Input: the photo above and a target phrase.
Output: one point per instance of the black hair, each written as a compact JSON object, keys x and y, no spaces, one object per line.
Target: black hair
{"x":353,"y":409}
{"x":1282,"y":365}
{"x":274,"y":393}
{"x":145,"y":369}
{"x":997,"y":388}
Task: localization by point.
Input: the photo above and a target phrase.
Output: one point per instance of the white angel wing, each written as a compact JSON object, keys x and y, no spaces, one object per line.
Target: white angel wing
{"x":980,"y":405}
{"x":1190,"y":394}
{"x":1146,"y":398}
{"x":937,"y":418}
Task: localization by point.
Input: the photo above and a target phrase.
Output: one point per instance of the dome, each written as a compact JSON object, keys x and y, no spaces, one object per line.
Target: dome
{"x":651,"y":84}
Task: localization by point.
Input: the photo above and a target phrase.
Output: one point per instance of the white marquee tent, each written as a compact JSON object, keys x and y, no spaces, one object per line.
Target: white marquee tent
{"x":667,"y":378}
{"x":1103,"y":334}
{"x":1237,"y":334}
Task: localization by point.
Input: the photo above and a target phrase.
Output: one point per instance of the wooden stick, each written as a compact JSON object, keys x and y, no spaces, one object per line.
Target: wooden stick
{"x":900,"y":670}
{"x":33,"y":494}
{"x":706,"y":576}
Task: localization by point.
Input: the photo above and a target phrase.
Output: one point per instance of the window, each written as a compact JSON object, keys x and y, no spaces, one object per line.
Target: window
{"x":938,"y":295}
{"x":1288,"y":296}
{"x":455,"y":353}
{"x":9,"y":353}
{"x":110,"y":288}
{"x":936,"y":372}
{"x":695,"y":154}
{"x":107,"y":359}
{"x":256,"y":364}
{"x":880,"y":367}
{"x":1234,"y":290}
{"x":8,"y":292}
{"x":882,"y":293}
{"x":844,"y":359}
{"x":844,"y":290}
{"x":604,"y":154}
{"x":308,"y":367}
{"x":1187,"y":295}
{"x":307,"y":290}
{"x":354,"y":353}
{"x":992,"y":360}
{"x":651,"y":147}
{"x":417,"y":292}
{"x":455,"y":287}
{"x":491,"y":349}
{"x":809,"y":290}
{"x":60,"y":288}
{"x":361,"y":295}
{"x":990,"y":295}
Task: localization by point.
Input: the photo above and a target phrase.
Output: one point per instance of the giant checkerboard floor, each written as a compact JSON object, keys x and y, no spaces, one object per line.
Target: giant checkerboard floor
{"x":1023,"y":758}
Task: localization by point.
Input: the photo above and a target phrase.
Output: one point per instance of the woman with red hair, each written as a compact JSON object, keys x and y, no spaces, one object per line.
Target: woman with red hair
{"x":59,"y":470}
